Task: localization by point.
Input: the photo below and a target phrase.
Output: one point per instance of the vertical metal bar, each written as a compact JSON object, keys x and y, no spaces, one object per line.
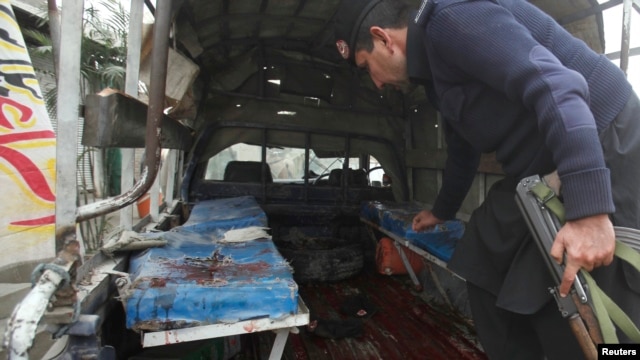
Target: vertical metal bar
{"x":307,"y":166}
{"x":626,"y":35}
{"x":407,"y":265}
{"x":68,"y":114}
{"x":54,"y":30}
{"x":279,"y":343}
{"x":154,"y":192}
{"x":180,"y":166}
{"x":344,"y":184}
{"x":170,"y":163}
{"x":154,"y":199}
{"x":97,"y":158}
{"x":159,"y":56}
{"x":134,"y":44}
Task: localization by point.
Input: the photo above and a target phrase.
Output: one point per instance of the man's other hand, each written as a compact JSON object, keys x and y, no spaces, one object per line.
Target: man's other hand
{"x":424,"y":220}
{"x":588,"y":243}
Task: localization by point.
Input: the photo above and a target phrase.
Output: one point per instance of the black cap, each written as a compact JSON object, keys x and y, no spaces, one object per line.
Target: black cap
{"x":348,"y":19}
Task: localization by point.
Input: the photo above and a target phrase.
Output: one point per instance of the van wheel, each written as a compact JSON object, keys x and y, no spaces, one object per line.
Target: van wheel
{"x":322,"y":259}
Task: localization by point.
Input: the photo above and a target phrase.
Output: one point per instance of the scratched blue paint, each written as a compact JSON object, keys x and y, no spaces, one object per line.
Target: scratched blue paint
{"x":396,"y":217}
{"x":197,"y":279}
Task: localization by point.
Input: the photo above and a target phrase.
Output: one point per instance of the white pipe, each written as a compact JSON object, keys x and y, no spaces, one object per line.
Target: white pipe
{"x":23,"y":324}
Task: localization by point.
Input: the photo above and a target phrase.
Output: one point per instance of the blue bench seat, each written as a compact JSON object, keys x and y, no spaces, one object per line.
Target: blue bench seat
{"x":198,"y":279}
{"x":397,"y":217}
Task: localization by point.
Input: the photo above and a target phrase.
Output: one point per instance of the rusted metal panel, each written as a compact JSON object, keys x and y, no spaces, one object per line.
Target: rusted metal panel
{"x":117,"y":120}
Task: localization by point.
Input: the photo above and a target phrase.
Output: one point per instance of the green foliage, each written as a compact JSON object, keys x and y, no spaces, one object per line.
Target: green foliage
{"x":38,"y":37}
{"x":104,"y":46}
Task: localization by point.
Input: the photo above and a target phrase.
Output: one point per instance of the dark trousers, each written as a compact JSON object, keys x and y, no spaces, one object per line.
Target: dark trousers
{"x":506,"y":335}
{"x":524,"y":334}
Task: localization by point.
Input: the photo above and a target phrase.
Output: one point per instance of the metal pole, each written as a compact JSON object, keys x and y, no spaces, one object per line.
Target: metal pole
{"x":68,"y":114}
{"x":134,"y":43}
{"x":54,"y":30}
{"x":626,"y":35}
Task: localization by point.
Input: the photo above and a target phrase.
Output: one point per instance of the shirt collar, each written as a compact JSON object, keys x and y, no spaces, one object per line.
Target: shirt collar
{"x":417,"y":61}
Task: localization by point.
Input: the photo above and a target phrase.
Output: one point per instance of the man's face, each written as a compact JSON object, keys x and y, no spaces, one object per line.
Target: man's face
{"x":386,"y":66}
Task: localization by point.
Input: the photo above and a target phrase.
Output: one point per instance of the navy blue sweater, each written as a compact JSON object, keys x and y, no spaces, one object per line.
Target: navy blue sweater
{"x":508,"y":79}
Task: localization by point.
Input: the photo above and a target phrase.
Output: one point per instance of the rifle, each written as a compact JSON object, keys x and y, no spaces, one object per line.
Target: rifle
{"x":533,"y":197}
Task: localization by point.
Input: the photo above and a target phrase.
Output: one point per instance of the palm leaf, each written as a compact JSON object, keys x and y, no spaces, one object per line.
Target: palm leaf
{"x":37,"y":37}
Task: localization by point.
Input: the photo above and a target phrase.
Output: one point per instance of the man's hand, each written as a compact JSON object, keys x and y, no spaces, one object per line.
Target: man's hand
{"x":588,"y":243}
{"x":424,"y":220}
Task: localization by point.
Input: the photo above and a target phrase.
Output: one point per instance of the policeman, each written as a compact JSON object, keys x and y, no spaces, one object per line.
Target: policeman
{"x":508,"y":79}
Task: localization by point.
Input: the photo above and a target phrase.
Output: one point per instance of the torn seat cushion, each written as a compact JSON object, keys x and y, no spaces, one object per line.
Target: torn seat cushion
{"x":200,"y":279}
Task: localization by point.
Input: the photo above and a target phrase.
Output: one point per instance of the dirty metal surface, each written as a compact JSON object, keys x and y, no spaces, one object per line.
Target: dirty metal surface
{"x":117,"y":120}
{"x":403,"y":327}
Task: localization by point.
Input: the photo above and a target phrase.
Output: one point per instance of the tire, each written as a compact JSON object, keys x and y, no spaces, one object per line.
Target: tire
{"x":322,"y":259}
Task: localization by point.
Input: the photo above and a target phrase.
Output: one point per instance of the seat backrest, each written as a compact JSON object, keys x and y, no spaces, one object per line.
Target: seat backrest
{"x":335,"y":177}
{"x":247,"y":172}
{"x":358,"y":178}
{"x":355,"y":177}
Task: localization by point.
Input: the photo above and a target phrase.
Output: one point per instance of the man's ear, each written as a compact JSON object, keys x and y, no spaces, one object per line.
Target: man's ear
{"x":378,"y":33}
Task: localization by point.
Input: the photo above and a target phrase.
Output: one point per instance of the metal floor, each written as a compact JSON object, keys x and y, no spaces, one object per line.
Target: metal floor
{"x":403,"y":327}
